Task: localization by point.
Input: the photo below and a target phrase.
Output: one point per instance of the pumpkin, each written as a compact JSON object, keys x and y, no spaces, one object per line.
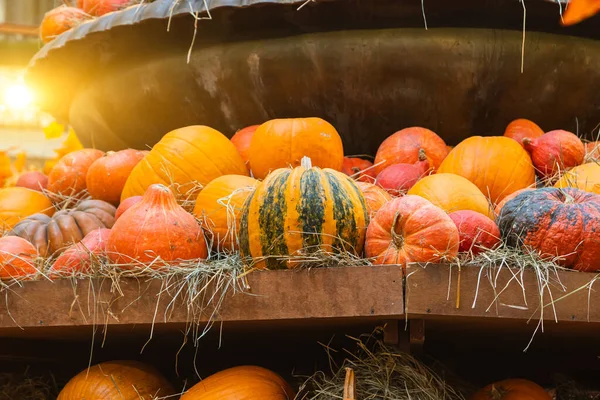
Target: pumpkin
{"x":68,"y":176}
{"x":508,"y":198}
{"x":512,"y":389}
{"x":107,"y":175}
{"x":359,"y":169}
{"x":243,"y":382}
{"x":397,"y":179}
{"x":452,"y":193}
{"x":78,"y":258}
{"x":127,"y":380}
{"x":17,"y":258}
{"x":17,"y":203}
{"x":554,"y":152}
{"x":185,"y":159}
{"x":375,"y":197}
{"x":66,"y":227}
{"x":557,"y":223}
{"x":585,"y":177}
{"x":281,"y":143}
{"x":33,"y":180}
{"x":497,"y":165}
{"x":101,"y":7}
{"x":126,"y":205}
{"x":592,"y":150}
{"x":299,"y":211}
{"x":60,"y":20}
{"x":411,"y":229}
{"x":218,"y":208}
{"x":522,"y":128}
{"x":241,"y":140}
{"x":406,"y":145}
{"x":155,"y":227}
{"x":477,"y":232}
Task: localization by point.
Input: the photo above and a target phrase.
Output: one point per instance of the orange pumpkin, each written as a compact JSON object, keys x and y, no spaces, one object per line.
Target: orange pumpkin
{"x":127,"y":380}
{"x":375,"y":197}
{"x":78,"y":258}
{"x":244,"y":382}
{"x":359,"y":169}
{"x":281,"y":143}
{"x":585,"y":177}
{"x":155,"y":227}
{"x":18,"y":203}
{"x":411,"y":229}
{"x":17,"y":258}
{"x":60,"y":20}
{"x":408,"y":145}
{"x":107,"y":175}
{"x":241,"y":140}
{"x":218,"y":208}
{"x":592,"y":150}
{"x":101,"y":7}
{"x":509,"y":198}
{"x":555,"y":152}
{"x":185,"y":159}
{"x":68,"y":176}
{"x":477,"y":232}
{"x":522,"y":128}
{"x":452,"y":193}
{"x":126,"y":205}
{"x":512,"y":389}
{"x":497,"y":165}
{"x":33,"y":180}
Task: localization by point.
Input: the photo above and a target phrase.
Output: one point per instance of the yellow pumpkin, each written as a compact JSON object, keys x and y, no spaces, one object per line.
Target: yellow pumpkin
{"x":185,"y":159}
{"x":585,"y":177}
{"x":17,"y":203}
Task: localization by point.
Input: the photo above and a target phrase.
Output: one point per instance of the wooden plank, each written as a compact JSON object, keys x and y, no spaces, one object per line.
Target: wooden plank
{"x":431,"y":292}
{"x":352,"y":292}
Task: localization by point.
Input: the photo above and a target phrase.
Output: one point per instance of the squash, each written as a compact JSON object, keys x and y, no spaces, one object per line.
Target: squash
{"x":397,"y":179}
{"x":406,"y":146}
{"x":512,"y":389}
{"x":68,"y":176}
{"x":60,"y":20}
{"x":33,"y":180}
{"x":295,"y":212}
{"x":375,"y":197}
{"x":477,"y":232}
{"x":78,"y":258}
{"x":497,"y":165}
{"x":557,"y":223}
{"x":66,"y":227}
{"x":241,"y":140}
{"x":244,"y":382}
{"x":127,"y":380}
{"x":359,"y":169}
{"x":281,"y":143}
{"x":98,"y":8}
{"x":411,"y":229}
{"x":508,"y":198}
{"x":107,"y":175}
{"x":522,"y":128}
{"x":156,"y":227}
{"x":585,"y":177}
{"x":185,"y":159}
{"x":555,"y":152}
{"x":18,"y":203}
{"x":452,"y":193}
{"x":126,"y":205}
{"x":218,"y":208}
{"x":17,"y":259}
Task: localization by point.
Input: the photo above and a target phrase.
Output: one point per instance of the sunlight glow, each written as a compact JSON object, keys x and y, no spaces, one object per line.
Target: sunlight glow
{"x":18,"y":96}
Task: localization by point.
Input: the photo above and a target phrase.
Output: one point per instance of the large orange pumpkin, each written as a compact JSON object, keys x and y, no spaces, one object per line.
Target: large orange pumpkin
{"x":281,"y":143}
{"x":60,"y":20}
{"x":218,"y":208}
{"x":241,"y":383}
{"x":155,"y":227}
{"x":242,"y":139}
{"x":522,"y":128}
{"x":407,"y":146}
{"x":107,"y":175}
{"x":17,"y":258}
{"x":452,"y":193}
{"x":585,"y":177}
{"x":18,"y":203}
{"x":68,"y":176}
{"x":411,"y":229}
{"x":126,"y":380}
{"x":375,"y":197}
{"x":185,"y":159}
{"x":497,"y":165}
{"x":512,"y":389}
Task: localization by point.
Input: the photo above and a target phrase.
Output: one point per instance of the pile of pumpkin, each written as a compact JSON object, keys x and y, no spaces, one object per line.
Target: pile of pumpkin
{"x":192,"y":197}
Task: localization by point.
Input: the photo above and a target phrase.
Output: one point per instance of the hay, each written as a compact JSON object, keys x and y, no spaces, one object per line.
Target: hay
{"x":22,"y":386}
{"x":381,"y":373}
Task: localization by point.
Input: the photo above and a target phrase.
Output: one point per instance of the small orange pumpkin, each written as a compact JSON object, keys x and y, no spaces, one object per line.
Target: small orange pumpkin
{"x":241,"y":140}
{"x":18,"y":203}
{"x":522,"y":128}
{"x":98,"y":8}
{"x":60,"y":20}
{"x":554,"y":152}
{"x":585,"y":177}
{"x":592,"y":150}
{"x":477,"y":232}
{"x":282,"y":143}
{"x":218,"y":208}
{"x":17,"y":258}
{"x":512,"y":389}
{"x":359,"y":169}
{"x":375,"y":197}
{"x":68,"y":176}
{"x":78,"y":257}
{"x":126,"y":205}
{"x":33,"y":180}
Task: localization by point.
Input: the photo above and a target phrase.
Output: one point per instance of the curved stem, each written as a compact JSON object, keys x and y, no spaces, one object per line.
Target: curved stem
{"x":397,"y":238}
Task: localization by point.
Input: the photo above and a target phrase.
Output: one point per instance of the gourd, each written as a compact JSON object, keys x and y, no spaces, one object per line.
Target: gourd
{"x":17,"y":259}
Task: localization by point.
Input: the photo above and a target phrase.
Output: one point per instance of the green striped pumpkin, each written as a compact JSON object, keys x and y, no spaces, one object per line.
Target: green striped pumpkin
{"x":295,"y":212}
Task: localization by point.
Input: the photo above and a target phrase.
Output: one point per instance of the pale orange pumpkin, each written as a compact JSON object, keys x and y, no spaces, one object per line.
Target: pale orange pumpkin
{"x":185,"y":160}
{"x":17,"y":259}
{"x":241,"y":140}
{"x":452,"y":193}
{"x":127,"y":380}
{"x":244,"y":382}
{"x":18,"y":203}
{"x":375,"y":197}
{"x":512,"y":389}
{"x":218,"y":208}
{"x":68,"y":176}
{"x":585,"y":177}
{"x":497,"y":165}
{"x":281,"y":143}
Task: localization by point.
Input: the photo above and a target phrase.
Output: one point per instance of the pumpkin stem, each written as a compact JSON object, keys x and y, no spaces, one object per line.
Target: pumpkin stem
{"x":397,"y":238}
{"x":496,"y":393}
{"x":306,"y":162}
{"x":356,"y":170}
{"x":422,"y":155}
{"x":526,"y":142}
{"x":349,"y":385}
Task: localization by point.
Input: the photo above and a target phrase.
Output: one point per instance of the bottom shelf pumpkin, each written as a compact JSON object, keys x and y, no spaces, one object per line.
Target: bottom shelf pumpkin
{"x":512,"y":389}
{"x":17,"y":258}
